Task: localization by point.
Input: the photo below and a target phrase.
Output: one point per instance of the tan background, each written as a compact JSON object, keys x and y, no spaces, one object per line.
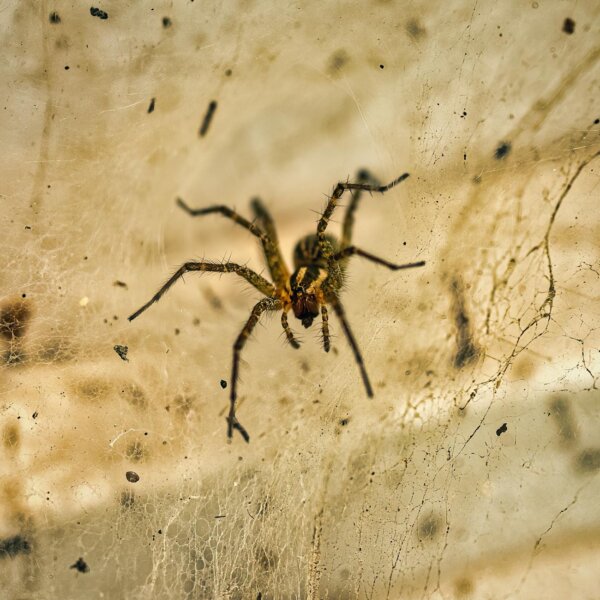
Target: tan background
{"x":412,"y":494}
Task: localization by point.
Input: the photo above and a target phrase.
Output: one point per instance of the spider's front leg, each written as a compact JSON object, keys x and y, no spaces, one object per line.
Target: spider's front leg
{"x":325,"y":328}
{"x":259,"y":282}
{"x":288,"y":332}
{"x":340,"y":188}
{"x":262,"y":306}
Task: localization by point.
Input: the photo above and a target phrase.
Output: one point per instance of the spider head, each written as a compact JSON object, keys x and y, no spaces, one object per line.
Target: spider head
{"x":305,"y":286}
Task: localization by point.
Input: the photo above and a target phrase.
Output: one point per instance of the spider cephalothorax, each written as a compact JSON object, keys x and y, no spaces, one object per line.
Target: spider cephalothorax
{"x":319,"y":262}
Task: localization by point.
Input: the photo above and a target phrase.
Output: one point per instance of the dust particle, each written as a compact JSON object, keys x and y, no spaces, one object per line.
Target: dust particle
{"x":54,"y":18}
{"x":167,"y":22}
{"x":569,"y":26}
{"x":80,"y":565}
{"x":503,"y":150}
{"x":501,"y":429}
{"x":208,"y":117}
{"x":96,"y":12}
{"x":151,"y":107}
{"x":132,"y":476}
{"x":223,"y":383}
{"x":122,"y":283}
{"x":121,"y":351}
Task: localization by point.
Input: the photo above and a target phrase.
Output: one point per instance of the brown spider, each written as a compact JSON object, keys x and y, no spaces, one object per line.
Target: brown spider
{"x":320,"y":263}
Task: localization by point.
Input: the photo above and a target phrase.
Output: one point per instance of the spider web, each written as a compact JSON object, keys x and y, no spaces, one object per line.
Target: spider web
{"x":473,"y":473}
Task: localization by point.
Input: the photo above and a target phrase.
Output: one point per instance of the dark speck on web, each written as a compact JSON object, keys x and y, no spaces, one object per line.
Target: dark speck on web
{"x":54,"y":18}
{"x":132,"y":476}
{"x":121,"y":351}
{"x":569,"y":26}
{"x":96,"y":12}
{"x":80,"y":565}
{"x":503,"y":150}
{"x":503,"y":428}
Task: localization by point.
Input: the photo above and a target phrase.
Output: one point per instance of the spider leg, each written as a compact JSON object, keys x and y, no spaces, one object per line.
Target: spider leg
{"x":288,"y":332}
{"x":325,"y":328}
{"x":260,"y":283}
{"x":352,"y":250}
{"x":240,"y":342}
{"x":270,"y":247}
{"x":339,"y":311}
{"x":363,"y":176}
{"x":275,"y":261}
{"x":340,"y":188}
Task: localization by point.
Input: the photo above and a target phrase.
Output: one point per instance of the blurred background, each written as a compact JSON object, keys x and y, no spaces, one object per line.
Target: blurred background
{"x":472,"y":473}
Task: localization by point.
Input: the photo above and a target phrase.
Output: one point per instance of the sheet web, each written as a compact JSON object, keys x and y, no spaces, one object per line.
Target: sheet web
{"x":473,"y":471}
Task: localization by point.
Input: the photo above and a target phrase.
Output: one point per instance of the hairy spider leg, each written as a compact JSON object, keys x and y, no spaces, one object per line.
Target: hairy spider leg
{"x":277,"y":268}
{"x":259,"y":308}
{"x":363,"y":176}
{"x":260,"y":283}
{"x":352,"y":250}
{"x":288,"y":332}
{"x":339,"y":311}
{"x":340,"y":188}
{"x":275,"y":261}
{"x":325,"y":328}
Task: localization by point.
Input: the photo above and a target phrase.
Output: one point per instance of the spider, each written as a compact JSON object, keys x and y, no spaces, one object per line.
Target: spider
{"x":320,"y":262}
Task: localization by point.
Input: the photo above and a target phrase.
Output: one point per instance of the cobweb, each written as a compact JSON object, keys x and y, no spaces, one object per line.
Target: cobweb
{"x":473,"y":473}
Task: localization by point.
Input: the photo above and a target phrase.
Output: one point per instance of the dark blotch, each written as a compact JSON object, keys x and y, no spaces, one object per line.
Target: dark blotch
{"x":135,"y":452}
{"x":132,"y":476}
{"x":344,"y":422}
{"x":466,"y":351}
{"x":560,"y":409}
{"x":54,"y":18}
{"x":127,"y":499}
{"x":96,"y":12}
{"x":588,"y":460}
{"x":223,"y":383}
{"x":13,"y":546}
{"x":415,"y":30}
{"x":80,"y":565}
{"x":503,"y":150}
{"x":166,"y":22}
{"x":429,"y":527}
{"x":503,"y":428}
{"x":208,"y":117}
{"x":14,"y":319}
{"x":10,"y":436}
{"x":337,"y":61}
{"x":569,"y":26}
{"x":151,"y":110}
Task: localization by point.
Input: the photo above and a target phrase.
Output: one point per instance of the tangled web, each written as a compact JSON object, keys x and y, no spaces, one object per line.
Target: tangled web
{"x":473,"y":472}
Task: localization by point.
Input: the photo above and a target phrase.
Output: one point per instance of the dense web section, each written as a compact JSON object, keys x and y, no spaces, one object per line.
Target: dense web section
{"x":472,"y":473}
